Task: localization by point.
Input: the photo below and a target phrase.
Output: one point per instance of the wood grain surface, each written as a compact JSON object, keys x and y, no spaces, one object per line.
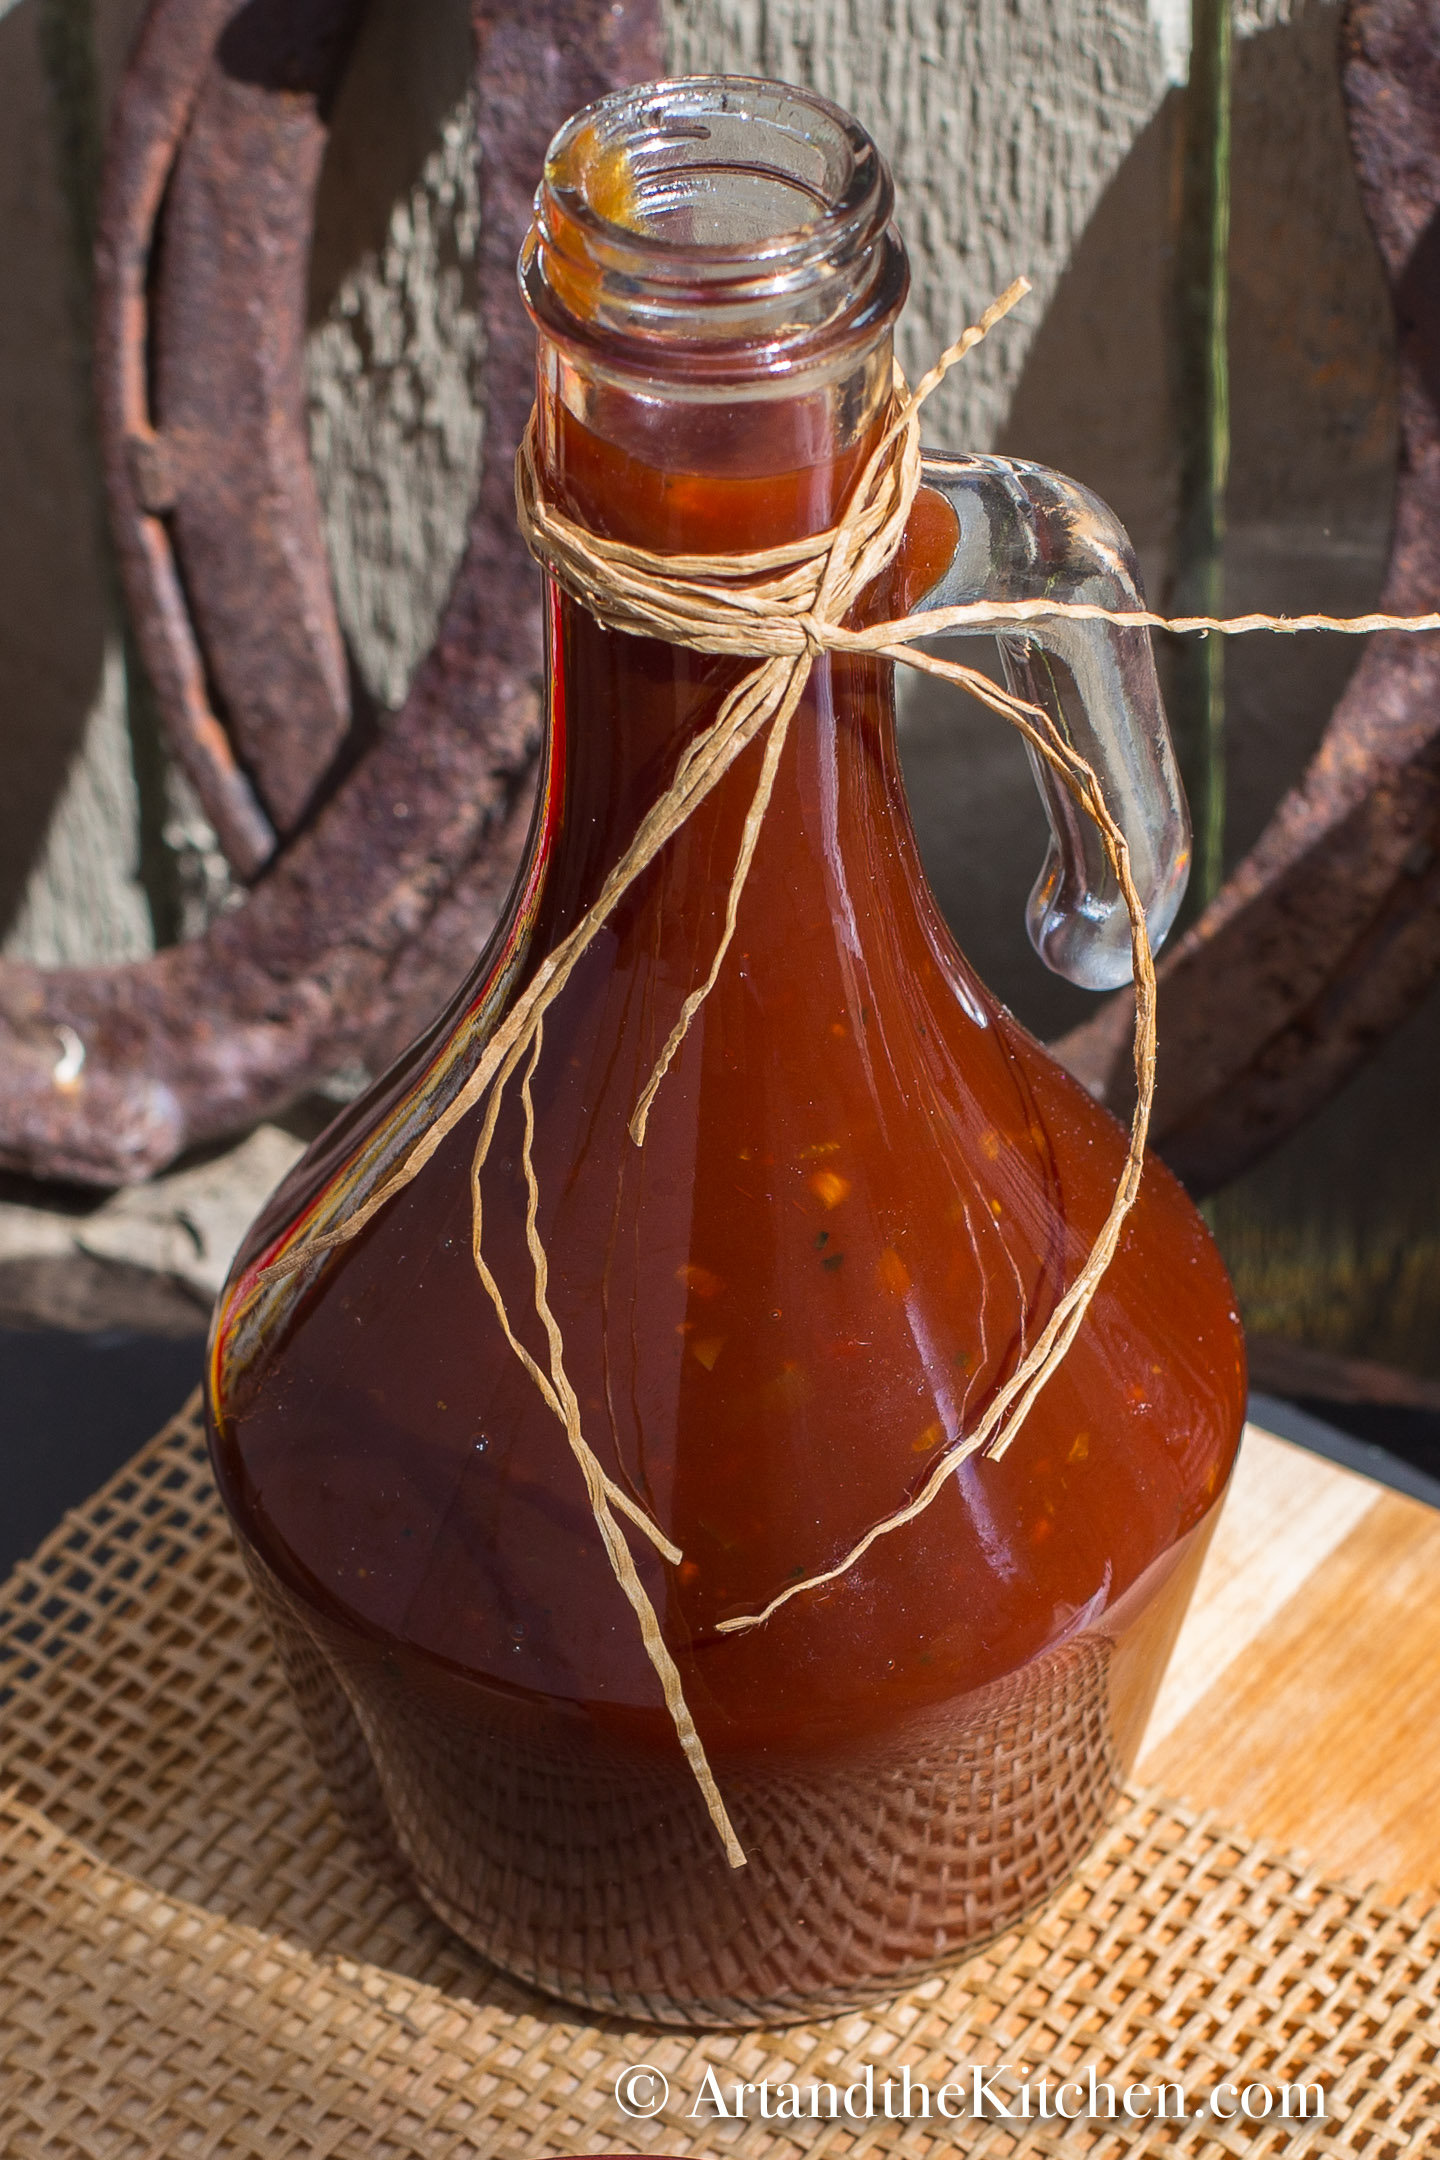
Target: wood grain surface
{"x":1303,"y":1700}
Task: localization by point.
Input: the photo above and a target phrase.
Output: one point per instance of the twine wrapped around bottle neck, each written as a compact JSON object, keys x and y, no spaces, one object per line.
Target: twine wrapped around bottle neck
{"x":779,"y":607}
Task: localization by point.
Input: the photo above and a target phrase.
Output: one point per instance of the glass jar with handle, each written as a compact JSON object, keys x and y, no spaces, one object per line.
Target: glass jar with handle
{"x":861,"y":1192}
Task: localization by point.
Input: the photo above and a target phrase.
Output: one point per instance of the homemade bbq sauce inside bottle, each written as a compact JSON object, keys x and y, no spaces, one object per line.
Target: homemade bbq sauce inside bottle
{"x":862,"y":1190}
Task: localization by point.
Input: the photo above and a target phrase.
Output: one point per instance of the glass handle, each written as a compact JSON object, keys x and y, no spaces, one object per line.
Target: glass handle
{"x":1028,"y":533}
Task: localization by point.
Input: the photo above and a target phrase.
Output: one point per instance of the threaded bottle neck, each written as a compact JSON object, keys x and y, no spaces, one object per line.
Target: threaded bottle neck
{"x":713,"y":234}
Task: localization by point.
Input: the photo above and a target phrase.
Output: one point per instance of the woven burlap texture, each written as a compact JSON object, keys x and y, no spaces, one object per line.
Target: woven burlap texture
{"x":197,"y":1961}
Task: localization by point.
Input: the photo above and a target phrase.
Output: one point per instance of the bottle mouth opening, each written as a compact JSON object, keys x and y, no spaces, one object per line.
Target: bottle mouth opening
{"x":741,"y":223}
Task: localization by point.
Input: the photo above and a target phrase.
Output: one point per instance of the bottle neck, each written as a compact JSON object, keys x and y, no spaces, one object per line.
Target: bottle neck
{"x":702,"y":476}
{"x":714,"y":278}
{"x":624,"y":709}
{"x":688,"y":476}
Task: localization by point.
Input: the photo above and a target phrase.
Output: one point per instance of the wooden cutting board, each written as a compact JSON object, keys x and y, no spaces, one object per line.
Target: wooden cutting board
{"x":1303,"y":1700}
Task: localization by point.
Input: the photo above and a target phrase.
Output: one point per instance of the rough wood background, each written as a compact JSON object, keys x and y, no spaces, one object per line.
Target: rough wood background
{"x":1032,"y":135}
{"x":1006,"y":125}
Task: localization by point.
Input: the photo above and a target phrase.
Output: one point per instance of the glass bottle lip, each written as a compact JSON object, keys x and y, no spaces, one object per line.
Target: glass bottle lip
{"x":796,"y":266}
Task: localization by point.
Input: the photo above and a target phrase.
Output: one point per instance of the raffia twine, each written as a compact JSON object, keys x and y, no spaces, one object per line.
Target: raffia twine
{"x":781,"y":607}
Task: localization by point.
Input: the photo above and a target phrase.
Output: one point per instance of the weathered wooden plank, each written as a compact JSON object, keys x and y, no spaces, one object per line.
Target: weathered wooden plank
{"x":1319,"y":1728}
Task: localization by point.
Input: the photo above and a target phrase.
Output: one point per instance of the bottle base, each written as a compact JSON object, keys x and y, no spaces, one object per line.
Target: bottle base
{"x":593,"y":1874}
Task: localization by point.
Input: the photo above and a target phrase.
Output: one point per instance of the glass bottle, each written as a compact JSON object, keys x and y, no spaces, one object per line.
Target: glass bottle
{"x":862,"y":1189}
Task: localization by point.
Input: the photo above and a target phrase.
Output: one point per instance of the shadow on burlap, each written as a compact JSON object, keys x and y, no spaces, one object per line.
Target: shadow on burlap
{"x":195,"y":1959}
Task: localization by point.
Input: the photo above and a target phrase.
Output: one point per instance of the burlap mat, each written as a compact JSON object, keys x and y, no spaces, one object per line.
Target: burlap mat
{"x":196,"y":1961}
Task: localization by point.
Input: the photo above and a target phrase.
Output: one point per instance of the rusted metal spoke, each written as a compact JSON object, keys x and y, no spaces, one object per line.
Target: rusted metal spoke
{"x":355,"y":934}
